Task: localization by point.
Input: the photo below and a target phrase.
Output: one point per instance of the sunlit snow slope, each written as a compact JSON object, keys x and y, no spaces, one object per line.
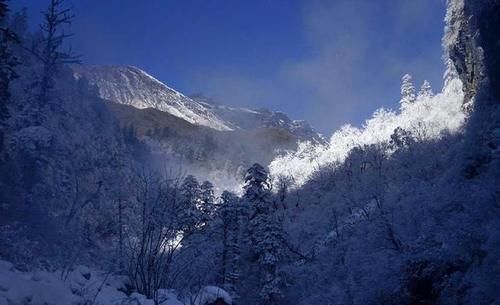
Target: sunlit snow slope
{"x":131,"y":86}
{"x":426,"y":118}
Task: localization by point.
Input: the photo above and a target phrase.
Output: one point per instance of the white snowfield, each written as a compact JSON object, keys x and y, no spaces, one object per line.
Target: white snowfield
{"x":84,"y":286}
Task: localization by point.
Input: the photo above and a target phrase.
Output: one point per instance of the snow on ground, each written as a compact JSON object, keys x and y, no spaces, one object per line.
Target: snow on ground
{"x":79,"y":286}
{"x":84,"y":286}
{"x":37,"y":288}
{"x":210,"y":294}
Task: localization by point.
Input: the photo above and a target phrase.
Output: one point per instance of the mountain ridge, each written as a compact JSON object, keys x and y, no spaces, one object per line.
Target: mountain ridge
{"x":132,"y":86}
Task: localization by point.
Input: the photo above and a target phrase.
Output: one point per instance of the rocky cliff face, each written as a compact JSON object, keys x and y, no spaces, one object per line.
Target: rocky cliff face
{"x":472,"y":41}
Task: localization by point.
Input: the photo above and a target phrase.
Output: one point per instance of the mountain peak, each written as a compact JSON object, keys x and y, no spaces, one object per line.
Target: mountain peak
{"x":130,"y":85}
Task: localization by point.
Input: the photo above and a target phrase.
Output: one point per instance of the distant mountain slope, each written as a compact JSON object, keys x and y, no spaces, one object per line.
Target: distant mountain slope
{"x":131,"y":86}
{"x":193,"y":134}
{"x":248,"y":119}
{"x":219,"y":156}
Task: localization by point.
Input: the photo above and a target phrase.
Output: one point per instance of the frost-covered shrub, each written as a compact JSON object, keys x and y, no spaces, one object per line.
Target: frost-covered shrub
{"x":427,"y":118}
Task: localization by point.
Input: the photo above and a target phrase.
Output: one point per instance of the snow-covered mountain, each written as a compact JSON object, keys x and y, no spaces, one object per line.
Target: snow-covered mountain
{"x":132,"y":86}
{"x":195,"y":134}
{"x":248,"y":119}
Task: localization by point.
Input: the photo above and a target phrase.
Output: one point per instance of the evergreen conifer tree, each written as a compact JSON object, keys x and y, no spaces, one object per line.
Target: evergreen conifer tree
{"x":230,"y":215}
{"x":207,"y":200}
{"x":265,"y":233}
{"x":407,"y":91}
{"x":425,"y":90}
{"x":188,"y":210}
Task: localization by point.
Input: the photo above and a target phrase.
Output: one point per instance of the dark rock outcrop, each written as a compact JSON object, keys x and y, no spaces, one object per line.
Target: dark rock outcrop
{"x":474,"y":47}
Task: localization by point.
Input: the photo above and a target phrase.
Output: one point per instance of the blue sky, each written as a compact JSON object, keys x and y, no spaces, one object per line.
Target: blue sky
{"x":329,"y":62}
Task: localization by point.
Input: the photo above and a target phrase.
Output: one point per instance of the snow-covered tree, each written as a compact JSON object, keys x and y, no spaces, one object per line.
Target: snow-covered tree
{"x":55,"y":17}
{"x":7,"y":61}
{"x":257,"y":188}
{"x":407,"y":91}
{"x":267,"y":243}
{"x":401,"y":139}
{"x":265,"y":233}
{"x":283,"y":184}
{"x":189,"y":213}
{"x":425,"y":90}
{"x":230,"y":215}
{"x":152,"y":233}
{"x":207,"y":200}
